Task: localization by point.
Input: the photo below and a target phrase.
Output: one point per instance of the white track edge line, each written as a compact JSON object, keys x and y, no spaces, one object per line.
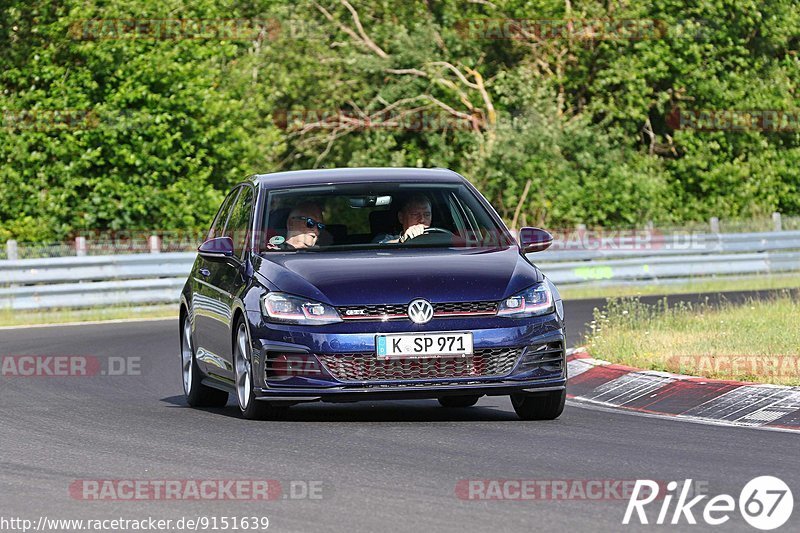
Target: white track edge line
{"x":585,"y":403}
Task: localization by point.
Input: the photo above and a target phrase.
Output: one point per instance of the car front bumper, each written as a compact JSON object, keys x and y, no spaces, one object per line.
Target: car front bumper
{"x":526,"y":337}
{"x":407,"y":391}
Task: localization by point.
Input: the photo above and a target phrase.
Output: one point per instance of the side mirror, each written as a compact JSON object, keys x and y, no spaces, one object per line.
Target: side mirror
{"x":219,"y":248}
{"x":534,"y":240}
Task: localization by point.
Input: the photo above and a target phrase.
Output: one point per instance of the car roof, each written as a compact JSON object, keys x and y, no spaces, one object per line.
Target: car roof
{"x":295,"y":178}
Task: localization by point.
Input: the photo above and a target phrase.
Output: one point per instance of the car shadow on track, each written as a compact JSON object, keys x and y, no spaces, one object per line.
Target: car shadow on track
{"x":487,"y":410}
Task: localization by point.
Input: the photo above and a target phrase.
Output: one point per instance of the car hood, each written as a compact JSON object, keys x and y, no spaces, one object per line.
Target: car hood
{"x":398,"y":276}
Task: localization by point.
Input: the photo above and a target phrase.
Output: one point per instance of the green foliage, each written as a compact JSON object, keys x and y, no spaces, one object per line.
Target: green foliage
{"x":166,"y":126}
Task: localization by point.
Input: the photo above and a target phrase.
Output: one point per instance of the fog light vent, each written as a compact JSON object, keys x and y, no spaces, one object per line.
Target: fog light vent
{"x":283,"y":366}
{"x":548,"y":357}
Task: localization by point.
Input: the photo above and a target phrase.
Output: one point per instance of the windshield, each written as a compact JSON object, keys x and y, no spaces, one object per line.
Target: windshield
{"x":375,"y":215}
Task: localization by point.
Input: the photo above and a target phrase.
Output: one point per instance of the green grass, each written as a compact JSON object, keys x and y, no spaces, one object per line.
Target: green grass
{"x":59,"y":316}
{"x":698,"y":285}
{"x":756,"y":341}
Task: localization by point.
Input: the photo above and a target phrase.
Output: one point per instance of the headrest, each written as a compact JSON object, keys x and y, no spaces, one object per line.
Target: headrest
{"x":383,"y":222}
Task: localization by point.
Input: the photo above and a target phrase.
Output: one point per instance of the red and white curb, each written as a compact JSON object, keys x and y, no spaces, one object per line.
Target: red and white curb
{"x":683,"y":397}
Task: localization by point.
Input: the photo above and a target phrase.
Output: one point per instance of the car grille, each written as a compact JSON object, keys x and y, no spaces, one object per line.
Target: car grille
{"x":399,"y":311}
{"x":367,"y":367}
{"x":465,"y":307}
{"x":360,"y":312}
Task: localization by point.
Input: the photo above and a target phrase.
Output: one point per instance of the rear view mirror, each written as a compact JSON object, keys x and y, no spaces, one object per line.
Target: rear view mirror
{"x":369,"y":201}
{"x":217,"y":248}
{"x":534,"y":240}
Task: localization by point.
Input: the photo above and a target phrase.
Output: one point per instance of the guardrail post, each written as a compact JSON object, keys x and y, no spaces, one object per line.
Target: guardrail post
{"x":155,"y":244}
{"x":580,"y":230}
{"x":12,"y":252}
{"x":80,"y":246}
{"x":714,"y":221}
{"x":776,"y":221}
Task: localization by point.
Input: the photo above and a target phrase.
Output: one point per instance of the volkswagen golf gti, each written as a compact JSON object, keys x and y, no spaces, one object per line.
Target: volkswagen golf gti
{"x":345,"y":285}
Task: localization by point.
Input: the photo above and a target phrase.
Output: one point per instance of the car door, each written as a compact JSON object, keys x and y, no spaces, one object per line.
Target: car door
{"x":224,"y":283}
{"x":230,"y":275}
{"x":209,"y":319}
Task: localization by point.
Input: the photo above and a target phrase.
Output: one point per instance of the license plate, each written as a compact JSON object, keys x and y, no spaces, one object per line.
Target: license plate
{"x":423,"y":345}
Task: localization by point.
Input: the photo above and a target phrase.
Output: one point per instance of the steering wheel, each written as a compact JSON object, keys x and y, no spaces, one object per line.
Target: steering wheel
{"x":433,"y":235}
{"x":436,"y":230}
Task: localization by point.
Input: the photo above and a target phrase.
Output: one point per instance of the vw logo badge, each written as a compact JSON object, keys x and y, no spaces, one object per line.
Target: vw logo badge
{"x":420,"y":311}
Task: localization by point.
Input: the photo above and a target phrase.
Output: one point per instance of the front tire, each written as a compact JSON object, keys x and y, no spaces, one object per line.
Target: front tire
{"x":250,"y":407}
{"x":197,"y":394}
{"x":459,"y":401}
{"x":539,"y":405}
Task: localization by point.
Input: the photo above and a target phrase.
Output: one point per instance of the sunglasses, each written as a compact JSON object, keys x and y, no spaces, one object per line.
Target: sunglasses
{"x":310,"y":222}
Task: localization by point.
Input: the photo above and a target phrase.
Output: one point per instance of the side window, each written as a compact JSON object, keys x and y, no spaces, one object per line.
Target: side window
{"x":239,"y":223}
{"x":218,"y":225}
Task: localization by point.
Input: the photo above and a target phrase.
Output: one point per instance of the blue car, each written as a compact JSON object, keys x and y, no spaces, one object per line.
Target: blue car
{"x":346,"y":285}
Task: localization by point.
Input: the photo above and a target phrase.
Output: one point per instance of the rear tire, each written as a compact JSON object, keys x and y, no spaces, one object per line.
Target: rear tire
{"x":539,"y":405}
{"x":197,"y":394}
{"x":459,"y":401}
{"x":249,"y":406}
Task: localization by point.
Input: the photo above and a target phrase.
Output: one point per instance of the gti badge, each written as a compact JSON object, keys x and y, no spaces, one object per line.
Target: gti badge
{"x":420,"y":311}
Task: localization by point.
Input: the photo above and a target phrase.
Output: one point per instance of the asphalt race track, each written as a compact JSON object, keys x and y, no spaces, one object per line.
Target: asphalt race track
{"x":392,"y":466}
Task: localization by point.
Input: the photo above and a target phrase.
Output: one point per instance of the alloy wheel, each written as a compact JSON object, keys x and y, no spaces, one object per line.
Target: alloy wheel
{"x":244,"y":385}
{"x":186,"y":356}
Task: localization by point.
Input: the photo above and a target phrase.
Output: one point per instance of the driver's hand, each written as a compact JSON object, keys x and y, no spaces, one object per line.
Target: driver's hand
{"x":413,"y":231}
{"x":304,"y":240}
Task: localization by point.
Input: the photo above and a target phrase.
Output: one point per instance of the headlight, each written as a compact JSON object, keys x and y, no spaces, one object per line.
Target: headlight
{"x":287,"y":309}
{"x":534,"y":301}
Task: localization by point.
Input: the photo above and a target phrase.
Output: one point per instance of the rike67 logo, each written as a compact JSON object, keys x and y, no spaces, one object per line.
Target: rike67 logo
{"x":765,"y":503}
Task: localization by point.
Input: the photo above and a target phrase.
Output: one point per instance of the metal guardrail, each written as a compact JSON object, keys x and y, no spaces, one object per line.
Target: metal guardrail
{"x":92,"y":281}
{"x":640,"y":258}
{"x":133,"y":279}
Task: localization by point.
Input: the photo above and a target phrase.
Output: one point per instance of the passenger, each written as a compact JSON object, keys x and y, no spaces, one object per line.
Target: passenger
{"x":415,"y":217}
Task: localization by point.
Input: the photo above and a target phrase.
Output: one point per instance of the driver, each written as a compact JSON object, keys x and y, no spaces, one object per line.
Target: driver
{"x":415,"y":216}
